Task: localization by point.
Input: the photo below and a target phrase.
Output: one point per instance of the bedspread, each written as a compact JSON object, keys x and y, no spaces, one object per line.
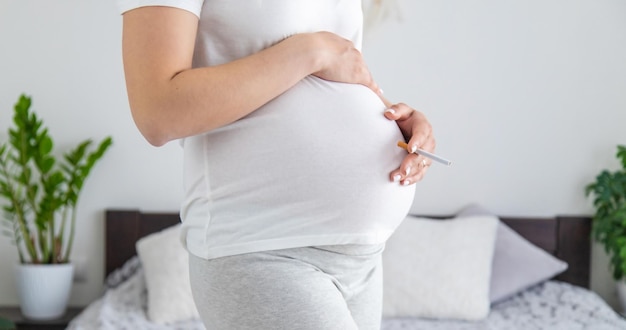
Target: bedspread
{"x":551,"y":305}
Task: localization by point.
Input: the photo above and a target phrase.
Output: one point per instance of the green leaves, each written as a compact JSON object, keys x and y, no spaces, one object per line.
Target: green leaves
{"x":621,"y":154}
{"x":609,"y":221}
{"x":39,"y":190}
{"x":6,"y":324}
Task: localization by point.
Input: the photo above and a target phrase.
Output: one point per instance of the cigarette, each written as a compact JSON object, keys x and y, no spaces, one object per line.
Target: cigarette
{"x":426,"y":154}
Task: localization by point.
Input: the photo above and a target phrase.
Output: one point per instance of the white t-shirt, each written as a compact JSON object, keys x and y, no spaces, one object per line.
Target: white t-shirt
{"x":311,"y":167}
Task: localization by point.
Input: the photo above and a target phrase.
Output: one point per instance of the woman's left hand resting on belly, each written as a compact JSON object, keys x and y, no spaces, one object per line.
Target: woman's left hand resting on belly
{"x":418,"y":133}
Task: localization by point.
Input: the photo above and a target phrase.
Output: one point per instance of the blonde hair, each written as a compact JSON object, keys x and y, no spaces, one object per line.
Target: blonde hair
{"x":377,"y":11}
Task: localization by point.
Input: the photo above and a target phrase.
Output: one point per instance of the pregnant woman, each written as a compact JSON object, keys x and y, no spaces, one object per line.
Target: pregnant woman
{"x":292,"y":178}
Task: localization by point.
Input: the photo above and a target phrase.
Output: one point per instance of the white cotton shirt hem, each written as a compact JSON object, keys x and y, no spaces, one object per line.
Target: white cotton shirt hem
{"x":201,"y":251}
{"x":192,"y":6}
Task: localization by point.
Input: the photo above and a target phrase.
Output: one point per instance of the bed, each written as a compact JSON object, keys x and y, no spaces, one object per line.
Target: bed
{"x":563,"y":301}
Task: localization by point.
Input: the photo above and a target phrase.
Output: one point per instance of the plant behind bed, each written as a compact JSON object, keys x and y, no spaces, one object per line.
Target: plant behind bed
{"x":42,"y":191}
{"x":609,"y":221}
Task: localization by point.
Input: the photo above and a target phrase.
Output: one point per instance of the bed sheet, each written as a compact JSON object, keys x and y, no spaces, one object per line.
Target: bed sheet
{"x":551,"y":305}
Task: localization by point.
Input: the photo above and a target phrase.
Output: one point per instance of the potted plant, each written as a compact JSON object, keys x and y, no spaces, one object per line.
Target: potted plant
{"x":40,"y":195}
{"x":609,"y":221}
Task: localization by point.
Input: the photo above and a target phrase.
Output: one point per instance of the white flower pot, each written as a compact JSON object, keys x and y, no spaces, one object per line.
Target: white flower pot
{"x":621,"y":294}
{"x":44,"y":290}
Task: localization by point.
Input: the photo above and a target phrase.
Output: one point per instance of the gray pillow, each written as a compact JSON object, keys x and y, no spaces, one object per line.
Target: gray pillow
{"x":517,"y":263}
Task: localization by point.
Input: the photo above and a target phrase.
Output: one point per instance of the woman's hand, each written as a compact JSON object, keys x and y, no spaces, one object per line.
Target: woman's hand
{"x":417,"y":130}
{"x":339,"y":60}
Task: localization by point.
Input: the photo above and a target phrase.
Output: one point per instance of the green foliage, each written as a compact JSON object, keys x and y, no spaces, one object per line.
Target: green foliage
{"x":609,"y":221}
{"x":40,"y":191}
{"x":6,"y":324}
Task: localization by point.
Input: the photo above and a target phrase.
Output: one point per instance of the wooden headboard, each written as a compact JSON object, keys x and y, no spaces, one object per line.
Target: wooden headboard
{"x":566,"y":237}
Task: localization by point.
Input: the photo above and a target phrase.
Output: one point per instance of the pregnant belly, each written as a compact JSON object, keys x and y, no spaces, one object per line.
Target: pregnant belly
{"x":321,"y":148}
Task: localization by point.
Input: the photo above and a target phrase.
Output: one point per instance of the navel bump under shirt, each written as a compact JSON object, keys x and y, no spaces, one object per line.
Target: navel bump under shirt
{"x":309,"y":168}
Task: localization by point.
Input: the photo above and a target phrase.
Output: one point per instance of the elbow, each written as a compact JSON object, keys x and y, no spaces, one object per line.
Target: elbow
{"x":155,"y":139}
{"x":153,"y":130}
{"x":153,"y":134}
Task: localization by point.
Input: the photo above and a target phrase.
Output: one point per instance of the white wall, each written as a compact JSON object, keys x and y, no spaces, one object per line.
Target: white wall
{"x":528,"y":98}
{"x":66,"y":54}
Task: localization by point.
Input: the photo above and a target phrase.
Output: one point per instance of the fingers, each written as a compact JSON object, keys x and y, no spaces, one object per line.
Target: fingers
{"x":414,"y":125}
{"x":399,"y":111}
{"x":421,"y":133}
{"x":413,"y":167}
{"x":417,"y":130}
{"x":341,"y":61}
{"x":364,"y":77}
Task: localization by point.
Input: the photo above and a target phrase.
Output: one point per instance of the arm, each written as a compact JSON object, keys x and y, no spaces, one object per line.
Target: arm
{"x":170,"y":100}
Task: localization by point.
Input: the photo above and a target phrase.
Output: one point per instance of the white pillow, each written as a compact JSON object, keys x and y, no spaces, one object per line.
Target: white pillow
{"x":439,"y":268}
{"x":166,"y":267}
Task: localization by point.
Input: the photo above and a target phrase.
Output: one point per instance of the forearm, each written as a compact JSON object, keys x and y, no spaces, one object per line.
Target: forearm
{"x":198,"y":100}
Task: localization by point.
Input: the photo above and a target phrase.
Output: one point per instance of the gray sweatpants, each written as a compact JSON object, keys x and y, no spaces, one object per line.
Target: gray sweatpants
{"x":311,"y":288}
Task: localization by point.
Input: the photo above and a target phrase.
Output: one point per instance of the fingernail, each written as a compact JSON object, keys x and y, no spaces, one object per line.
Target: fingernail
{"x":380,"y":90}
{"x":391,"y":111}
{"x":396,"y":177}
{"x":406,"y":182}
{"x":413,"y":148}
{"x":408,"y":170}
